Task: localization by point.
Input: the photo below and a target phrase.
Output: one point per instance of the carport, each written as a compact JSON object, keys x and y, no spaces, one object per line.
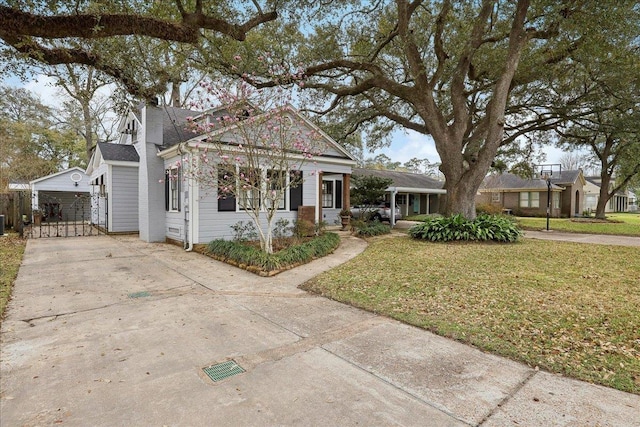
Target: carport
{"x":62,"y":196}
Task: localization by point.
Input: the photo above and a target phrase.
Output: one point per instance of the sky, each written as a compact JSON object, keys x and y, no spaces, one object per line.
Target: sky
{"x":405,"y":145}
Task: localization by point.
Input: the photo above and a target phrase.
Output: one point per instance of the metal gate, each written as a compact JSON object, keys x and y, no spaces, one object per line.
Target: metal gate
{"x":69,"y":216}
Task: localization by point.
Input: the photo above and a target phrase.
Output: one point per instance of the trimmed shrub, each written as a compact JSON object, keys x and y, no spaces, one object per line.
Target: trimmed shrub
{"x":243,"y":254}
{"x":370,"y":229}
{"x":489,"y":209}
{"x":484,"y":228}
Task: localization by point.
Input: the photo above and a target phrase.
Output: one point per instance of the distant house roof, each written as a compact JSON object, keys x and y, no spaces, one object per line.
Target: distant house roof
{"x":567,"y":177}
{"x":404,"y":180}
{"x":512,"y":182}
{"x":118,"y":152}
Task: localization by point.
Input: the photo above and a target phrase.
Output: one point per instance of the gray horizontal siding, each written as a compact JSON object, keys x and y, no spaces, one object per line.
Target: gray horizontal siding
{"x":123,"y":209}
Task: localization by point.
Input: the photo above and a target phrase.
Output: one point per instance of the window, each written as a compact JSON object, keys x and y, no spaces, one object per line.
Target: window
{"x":529,"y":199}
{"x":495,"y":197}
{"x":248,"y":194}
{"x":253,"y":189}
{"x":327,"y":194}
{"x":556,"y":200}
{"x":276,"y":181}
{"x":401,"y":199}
{"x":172,"y":178}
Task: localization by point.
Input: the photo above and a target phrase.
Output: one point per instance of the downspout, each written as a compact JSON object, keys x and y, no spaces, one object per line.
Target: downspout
{"x":188,"y":235}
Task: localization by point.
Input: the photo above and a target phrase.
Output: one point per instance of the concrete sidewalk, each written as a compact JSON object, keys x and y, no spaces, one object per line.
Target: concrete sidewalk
{"x":111,"y":331}
{"x":597,"y":239}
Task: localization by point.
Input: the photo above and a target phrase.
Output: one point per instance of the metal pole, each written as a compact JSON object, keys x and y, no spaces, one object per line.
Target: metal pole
{"x":548,"y":201}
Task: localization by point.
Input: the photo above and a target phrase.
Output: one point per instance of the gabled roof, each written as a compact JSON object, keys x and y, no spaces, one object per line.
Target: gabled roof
{"x":568,"y":177}
{"x":196,"y":139}
{"x":402,"y":179}
{"x":71,"y":170}
{"x":118,"y":152}
{"x":512,"y":182}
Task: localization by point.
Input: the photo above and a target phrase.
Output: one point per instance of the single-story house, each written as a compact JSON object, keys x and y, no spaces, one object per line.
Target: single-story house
{"x":135,"y":175}
{"x":62,"y":196}
{"x":524,"y":196}
{"x":572,"y":197}
{"x":414,"y":193}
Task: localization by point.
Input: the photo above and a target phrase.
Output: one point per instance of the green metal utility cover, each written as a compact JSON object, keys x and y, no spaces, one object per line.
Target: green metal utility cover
{"x":139,"y":294}
{"x":223,"y":370}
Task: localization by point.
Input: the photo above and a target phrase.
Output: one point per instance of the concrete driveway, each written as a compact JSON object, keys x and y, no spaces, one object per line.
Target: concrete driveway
{"x":112,"y":331}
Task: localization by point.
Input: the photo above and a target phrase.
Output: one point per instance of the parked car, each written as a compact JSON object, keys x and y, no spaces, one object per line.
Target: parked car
{"x":377,"y":212}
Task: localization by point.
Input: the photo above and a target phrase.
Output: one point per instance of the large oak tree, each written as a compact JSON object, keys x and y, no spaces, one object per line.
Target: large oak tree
{"x":451,"y":70}
{"x":101,"y":34}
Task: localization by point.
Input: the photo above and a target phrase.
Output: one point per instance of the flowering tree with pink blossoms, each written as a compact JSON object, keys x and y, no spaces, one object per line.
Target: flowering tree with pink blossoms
{"x":254,"y":147}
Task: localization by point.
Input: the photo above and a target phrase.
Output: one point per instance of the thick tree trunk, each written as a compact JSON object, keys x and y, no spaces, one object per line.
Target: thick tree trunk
{"x":604,"y":196}
{"x":461,"y":198}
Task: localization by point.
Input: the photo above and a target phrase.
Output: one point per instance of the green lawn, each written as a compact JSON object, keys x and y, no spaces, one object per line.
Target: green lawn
{"x":564,"y":307}
{"x":11,"y":251}
{"x":625,"y":224}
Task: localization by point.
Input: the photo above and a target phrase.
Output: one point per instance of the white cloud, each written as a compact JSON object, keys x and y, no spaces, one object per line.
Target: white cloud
{"x":44,"y":87}
{"x":406,"y":145}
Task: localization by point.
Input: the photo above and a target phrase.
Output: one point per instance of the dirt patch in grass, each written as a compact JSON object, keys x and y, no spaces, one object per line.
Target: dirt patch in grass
{"x":596,"y":221}
{"x":564,"y":307}
{"x":11,"y":252}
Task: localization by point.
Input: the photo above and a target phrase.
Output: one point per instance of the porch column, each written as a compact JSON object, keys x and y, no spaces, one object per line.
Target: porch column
{"x":319,"y":201}
{"x":392,"y":220}
{"x":346,"y":191}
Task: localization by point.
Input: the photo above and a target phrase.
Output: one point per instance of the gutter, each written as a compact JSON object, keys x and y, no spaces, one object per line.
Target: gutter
{"x":417,"y":190}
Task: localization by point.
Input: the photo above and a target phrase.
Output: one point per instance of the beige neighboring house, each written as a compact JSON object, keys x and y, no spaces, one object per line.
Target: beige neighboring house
{"x":528,"y":197}
{"x":622,"y":201}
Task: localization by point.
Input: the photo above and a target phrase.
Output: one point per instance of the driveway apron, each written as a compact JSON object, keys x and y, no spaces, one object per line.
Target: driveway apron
{"x":112,"y":331}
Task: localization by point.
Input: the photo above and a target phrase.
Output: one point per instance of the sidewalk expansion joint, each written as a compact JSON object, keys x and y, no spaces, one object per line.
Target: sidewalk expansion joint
{"x":306,"y":344}
{"x":401,"y":389}
{"x":509,"y":396}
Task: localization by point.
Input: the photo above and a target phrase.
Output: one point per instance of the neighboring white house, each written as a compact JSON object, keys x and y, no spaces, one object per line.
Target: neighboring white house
{"x":621,"y":201}
{"x":132,"y":175}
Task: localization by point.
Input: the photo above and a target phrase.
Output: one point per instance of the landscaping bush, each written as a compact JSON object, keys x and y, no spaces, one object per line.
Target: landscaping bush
{"x":243,"y":254}
{"x":485,"y":227}
{"x":489,"y":209}
{"x":369,"y":229}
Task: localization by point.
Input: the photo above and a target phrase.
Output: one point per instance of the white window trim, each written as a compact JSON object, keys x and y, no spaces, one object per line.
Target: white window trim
{"x":174,"y":186}
{"x":262,"y":192}
{"x":333,"y":193}
{"x":529,"y":199}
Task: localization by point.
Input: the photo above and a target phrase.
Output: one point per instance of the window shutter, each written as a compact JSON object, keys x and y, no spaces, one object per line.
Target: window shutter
{"x":166,"y":189}
{"x":179,"y":187}
{"x":339,"y":194}
{"x":227,"y":204}
{"x":295,"y":193}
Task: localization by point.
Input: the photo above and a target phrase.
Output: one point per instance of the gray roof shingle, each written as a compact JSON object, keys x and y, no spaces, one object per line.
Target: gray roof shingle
{"x":509,"y":181}
{"x":565,"y":177}
{"x":118,"y":152}
{"x":174,"y":125}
